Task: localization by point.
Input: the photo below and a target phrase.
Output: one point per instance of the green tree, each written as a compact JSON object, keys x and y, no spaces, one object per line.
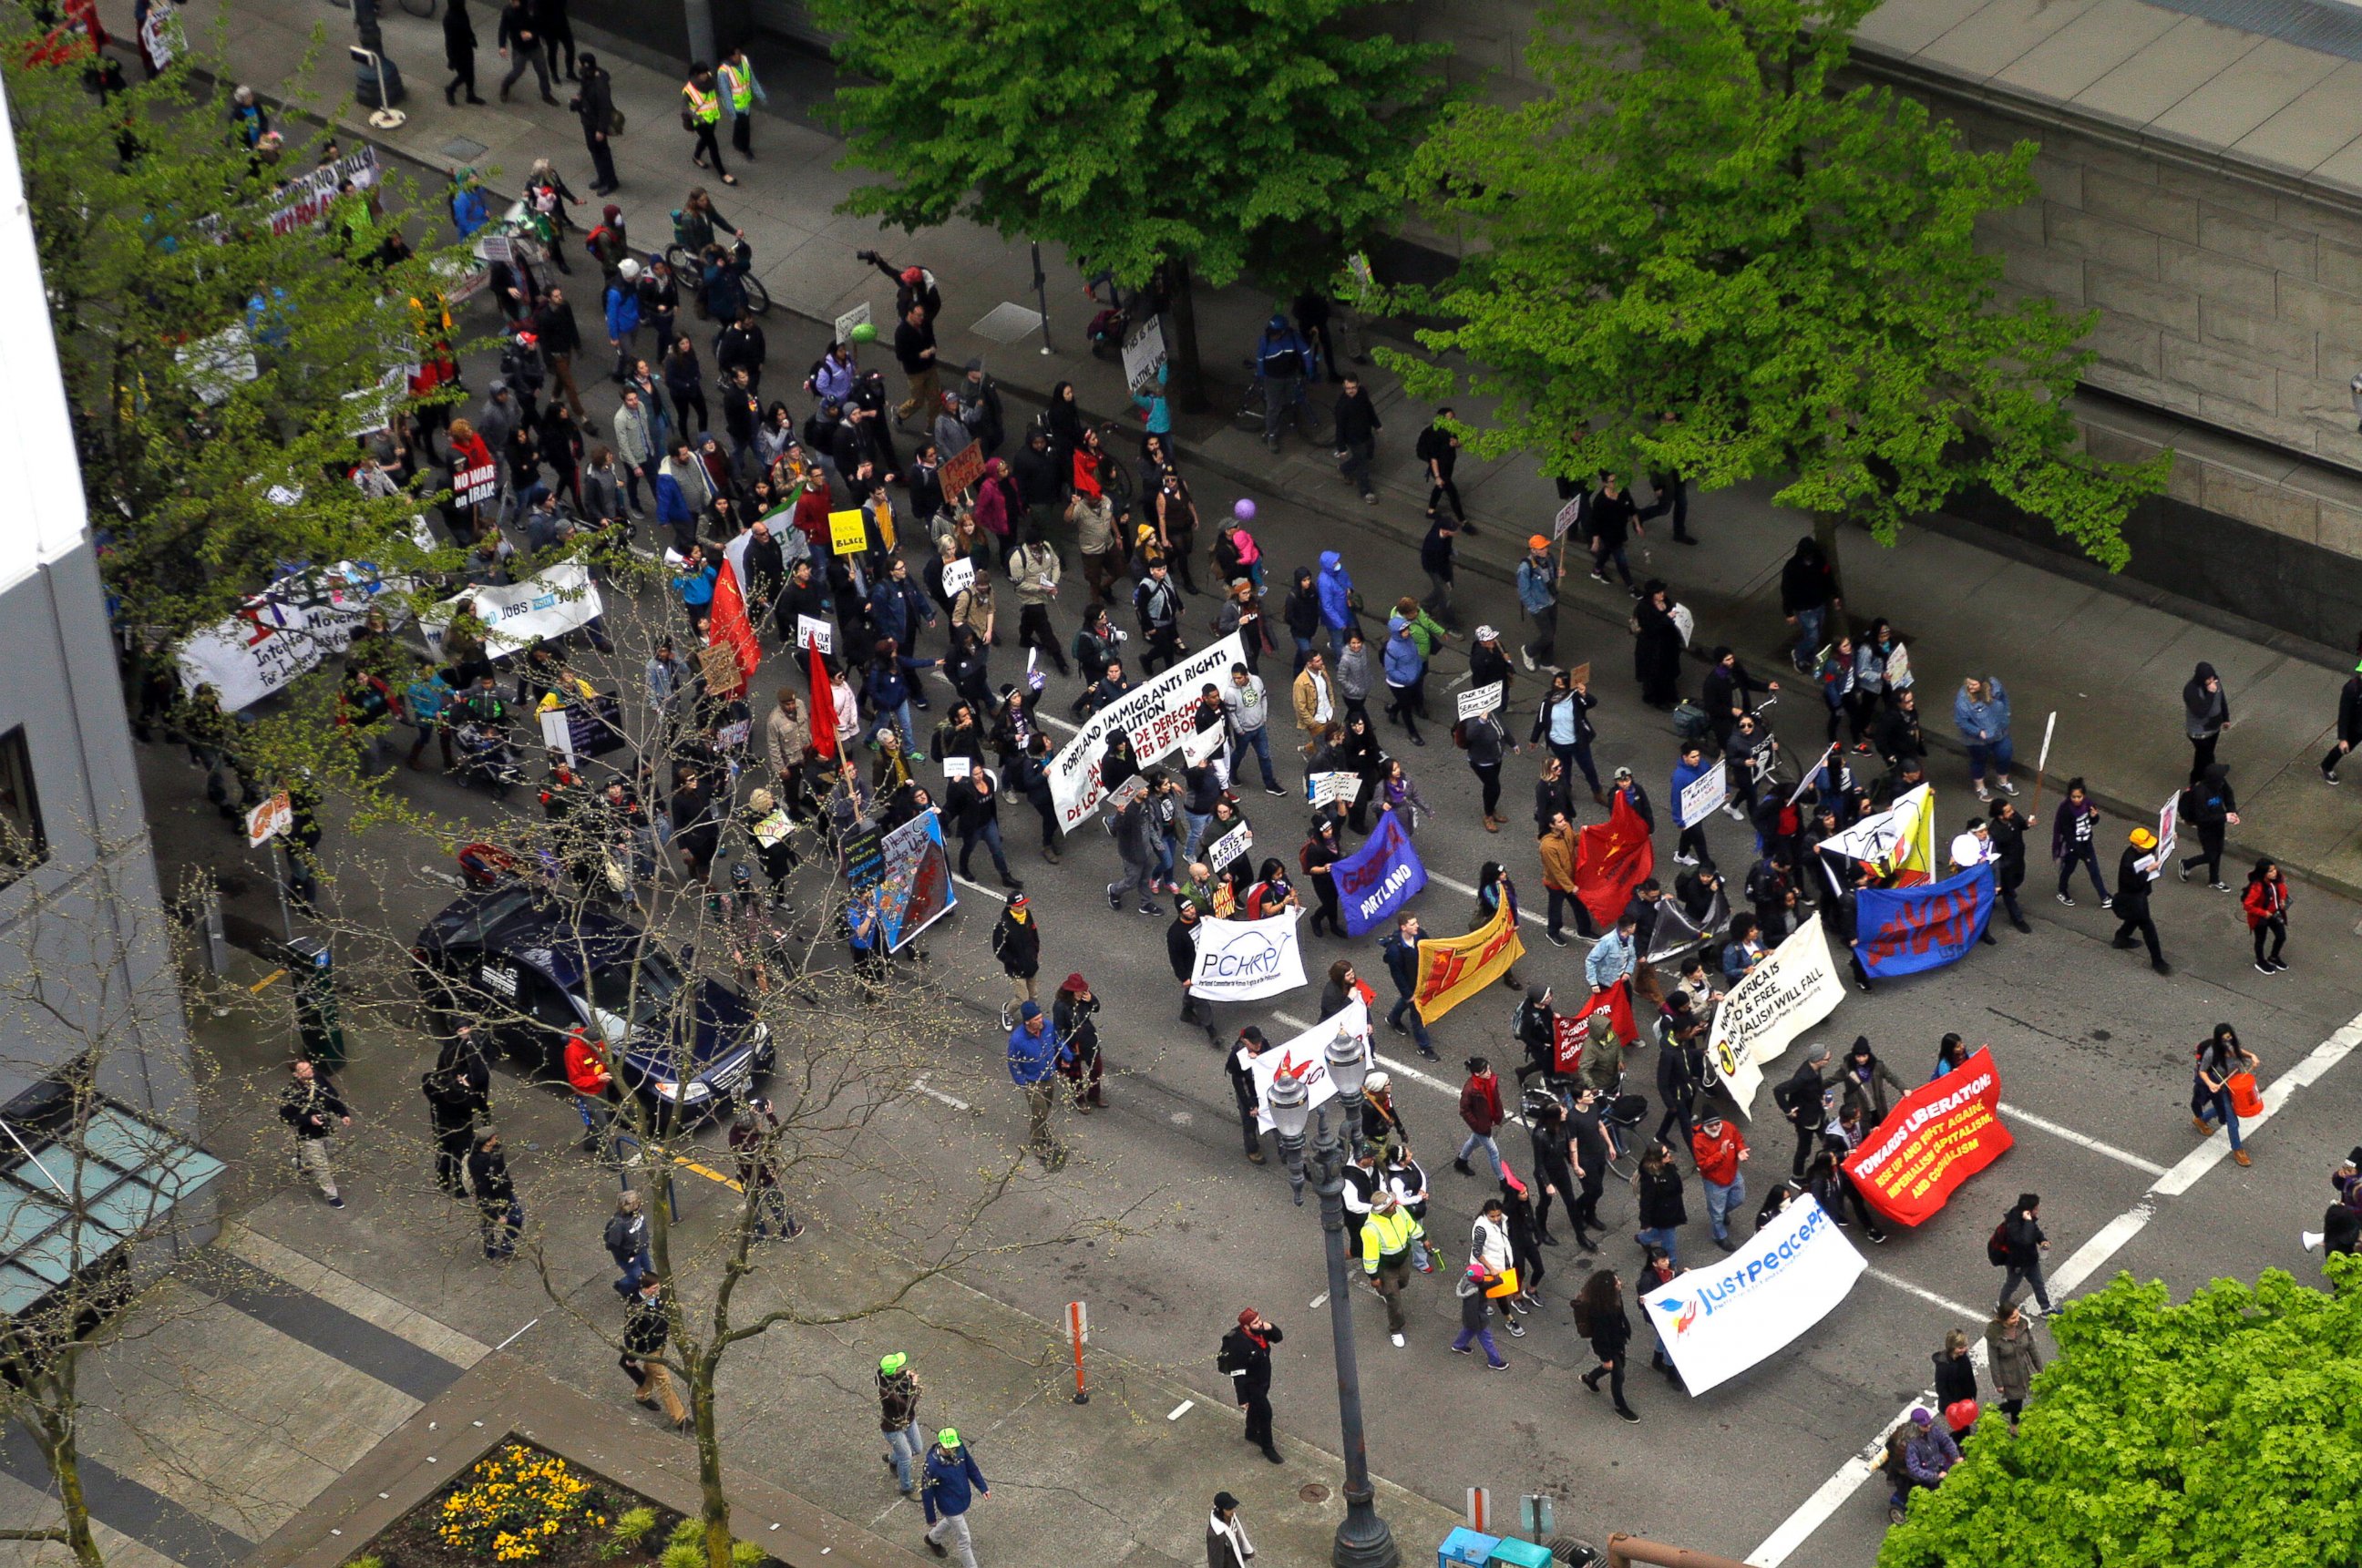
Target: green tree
{"x":1207,"y":137}
{"x":2219,"y":1433}
{"x":1695,"y":252}
{"x":216,"y":366}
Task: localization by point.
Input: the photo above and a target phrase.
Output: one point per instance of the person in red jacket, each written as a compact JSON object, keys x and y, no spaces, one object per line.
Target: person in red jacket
{"x":1719,"y":1149}
{"x":593,"y":1085}
{"x":2267,"y":903}
{"x":1480,"y":1108}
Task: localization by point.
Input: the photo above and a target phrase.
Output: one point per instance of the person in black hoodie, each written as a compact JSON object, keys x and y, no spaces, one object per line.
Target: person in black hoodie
{"x":2207,"y":805}
{"x":2007,"y":830}
{"x":2135,"y":868}
{"x":1246,"y":1357}
{"x":1357,"y":438}
{"x":459,"y":52}
{"x":1800,"y":1102}
{"x":496,"y":1198}
{"x":2349,"y":725}
{"x":1301,"y":611}
{"x":1956,"y":1379}
{"x":2206,"y":713}
{"x":453,"y":1104}
{"x":1017,"y":943}
{"x":1808,"y":592}
{"x":2021,"y":1243}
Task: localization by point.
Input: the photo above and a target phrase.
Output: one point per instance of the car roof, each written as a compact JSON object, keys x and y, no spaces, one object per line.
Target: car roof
{"x":566,"y":948}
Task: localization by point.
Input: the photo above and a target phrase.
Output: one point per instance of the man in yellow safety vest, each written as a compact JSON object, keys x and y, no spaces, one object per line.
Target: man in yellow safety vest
{"x":700,"y":114}
{"x":1386,"y":1238}
{"x":740,"y":88}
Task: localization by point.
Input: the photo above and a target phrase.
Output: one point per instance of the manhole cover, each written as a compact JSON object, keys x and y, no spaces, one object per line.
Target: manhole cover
{"x":1313,"y":1492}
{"x":464,"y":150}
{"x":1008,"y":323}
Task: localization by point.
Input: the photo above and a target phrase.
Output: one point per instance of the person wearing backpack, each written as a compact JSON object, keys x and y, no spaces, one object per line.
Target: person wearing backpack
{"x":2016,"y":1247}
{"x":1245,"y":1359}
{"x":1799,"y":1100}
{"x":2207,"y":805}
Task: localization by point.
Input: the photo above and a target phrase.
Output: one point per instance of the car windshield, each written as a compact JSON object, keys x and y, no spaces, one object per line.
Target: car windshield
{"x":614,"y":991}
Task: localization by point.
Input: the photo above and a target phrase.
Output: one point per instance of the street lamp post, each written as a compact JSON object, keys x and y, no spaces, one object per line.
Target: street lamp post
{"x":1362,"y":1539}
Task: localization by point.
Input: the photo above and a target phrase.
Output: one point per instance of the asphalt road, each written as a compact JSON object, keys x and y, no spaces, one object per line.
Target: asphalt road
{"x":2087,"y":1039}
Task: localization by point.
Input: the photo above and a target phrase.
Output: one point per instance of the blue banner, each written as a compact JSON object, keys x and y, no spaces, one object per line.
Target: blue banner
{"x":1901,"y":930}
{"x":914,"y":883}
{"x":1376,"y":880}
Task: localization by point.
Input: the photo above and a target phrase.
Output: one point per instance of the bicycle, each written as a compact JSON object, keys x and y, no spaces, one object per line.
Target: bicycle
{"x":1310,"y":420}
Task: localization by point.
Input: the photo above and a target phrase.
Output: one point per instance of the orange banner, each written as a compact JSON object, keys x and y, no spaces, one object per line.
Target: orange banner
{"x":1937,"y":1137}
{"x":1454,"y":968}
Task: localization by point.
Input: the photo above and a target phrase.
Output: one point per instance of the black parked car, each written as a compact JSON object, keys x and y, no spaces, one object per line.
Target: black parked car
{"x":533,"y":971}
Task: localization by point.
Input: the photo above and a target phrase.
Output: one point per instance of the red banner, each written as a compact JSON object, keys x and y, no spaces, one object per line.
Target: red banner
{"x":1939,"y":1136}
{"x":1611,"y":858}
{"x":1567,"y":1040}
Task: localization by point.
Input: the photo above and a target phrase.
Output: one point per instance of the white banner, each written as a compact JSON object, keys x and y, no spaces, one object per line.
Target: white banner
{"x":548,"y":604}
{"x":1325,"y":788}
{"x":1156,"y":714}
{"x":282,"y":631}
{"x":1793,"y":988}
{"x":308,"y":194}
{"x":1199,"y":746}
{"x":1481,"y":700}
{"x":1246,"y":960}
{"x":1307,"y":1057}
{"x":1720,"y":1317}
{"x":1703,"y":796}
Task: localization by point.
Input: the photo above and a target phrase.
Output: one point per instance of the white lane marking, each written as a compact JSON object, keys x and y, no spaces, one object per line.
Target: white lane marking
{"x":1459,"y":886}
{"x":2019,"y":1114}
{"x":1946,"y":1303}
{"x":1179,"y":1411}
{"x":2087,"y":1260}
{"x":988,"y":892}
{"x":513,"y":1338}
{"x":933,"y":1093}
{"x":1318,"y":1302}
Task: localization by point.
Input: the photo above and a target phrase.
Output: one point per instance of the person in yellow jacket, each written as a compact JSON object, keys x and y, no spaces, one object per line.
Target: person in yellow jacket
{"x":1386,"y":1238}
{"x":700,"y":114}
{"x":741,"y":91}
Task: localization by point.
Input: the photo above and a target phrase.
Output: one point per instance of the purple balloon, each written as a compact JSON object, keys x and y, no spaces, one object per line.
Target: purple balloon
{"x":1244,"y":510}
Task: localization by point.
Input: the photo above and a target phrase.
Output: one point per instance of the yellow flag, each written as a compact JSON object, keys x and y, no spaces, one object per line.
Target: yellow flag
{"x":1454,"y":968}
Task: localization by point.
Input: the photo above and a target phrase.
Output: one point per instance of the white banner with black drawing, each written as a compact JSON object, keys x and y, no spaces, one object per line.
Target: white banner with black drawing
{"x":1157,"y":715}
{"x":548,"y":604}
{"x":282,"y":631}
{"x":1305,"y":1059}
{"x":1789,"y":990}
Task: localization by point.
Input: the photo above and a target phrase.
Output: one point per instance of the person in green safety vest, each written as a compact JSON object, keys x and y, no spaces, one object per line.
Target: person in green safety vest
{"x":700,"y":112}
{"x":742,"y":93}
{"x":1386,"y":1238}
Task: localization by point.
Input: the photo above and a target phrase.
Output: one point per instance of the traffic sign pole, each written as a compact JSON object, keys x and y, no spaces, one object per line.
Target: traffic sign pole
{"x":1078,"y":1330}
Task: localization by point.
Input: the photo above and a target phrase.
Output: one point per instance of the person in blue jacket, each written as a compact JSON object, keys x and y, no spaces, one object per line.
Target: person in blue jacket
{"x":623,"y":302}
{"x":468,"y":213}
{"x":1335,"y":587}
{"x":1033,"y":1058}
{"x":1981,"y":712}
{"x":1691,"y":847}
{"x":951,"y":1485}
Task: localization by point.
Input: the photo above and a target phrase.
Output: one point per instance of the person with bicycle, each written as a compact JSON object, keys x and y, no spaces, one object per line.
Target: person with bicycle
{"x":698,"y":220}
{"x":1281,"y":361}
{"x":1728,"y":691}
{"x":1753,"y":751}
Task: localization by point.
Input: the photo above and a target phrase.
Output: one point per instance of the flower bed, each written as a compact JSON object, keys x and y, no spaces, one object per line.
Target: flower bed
{"x":523,"y":1505}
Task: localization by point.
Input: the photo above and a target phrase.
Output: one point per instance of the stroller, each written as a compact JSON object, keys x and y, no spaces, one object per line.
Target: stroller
{"x":485,"y":758}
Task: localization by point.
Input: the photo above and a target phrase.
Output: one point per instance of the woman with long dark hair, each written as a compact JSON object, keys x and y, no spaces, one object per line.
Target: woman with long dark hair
{"x":1599,"y":1316}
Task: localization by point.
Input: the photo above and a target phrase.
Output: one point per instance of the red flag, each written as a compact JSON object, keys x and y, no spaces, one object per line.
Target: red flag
{"x":1616,"y":1002}
{"x":823,"y":706}
{"x":1611,"y":858}
{"x":729,"y":622}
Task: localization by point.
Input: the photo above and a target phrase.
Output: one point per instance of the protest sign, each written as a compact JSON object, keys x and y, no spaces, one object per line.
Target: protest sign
{"x":1897,"y":842}
{"x":308,"y":195}
{"x":2169,"y":818}
{"x":1376,"y":880}
{"x":1480,"y":700}
{"x":1793,"y":988}
{"x":473,"y":487}
{"x":718,"y":663}
{"x":1901,"y":930}
{"x":1199,"y":746}
{"x":547,"y":604}
{"x":956,"y":768}
{"x":580,"y":729}
{"x":958,"y":577}
{"x":1454,"y":968}
{"x":1125,"y":793}
{"x":1567,"y":1037}
{"x":1674,"y":932}
{"x":1156,"y":714}
{"x":962,"y":469}
{"x":1565,"y":518}
{"x":1305,"y":1059}
{"x":1322,"y":789}
{"x":864,"y":850}
{"x":815,"y":633}
{"x":858,"y":316}
{"x":1143,"y":353}
{"x":269,"y":819}
{"x":282,"y":631}
{"x":914,"y":885}
{"x":1724,"y":1314}
{"x":847,"y":535}
{"x":1703,"y":796}
{"x":1936,"y":1137}
{"x":1230,"y":847}
{"x":773,"y":828}
{"x":1246,"y":960}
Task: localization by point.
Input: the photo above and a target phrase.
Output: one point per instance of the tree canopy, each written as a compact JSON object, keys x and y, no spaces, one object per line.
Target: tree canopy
{"x":2224,"y":1432}
{"x":1692,"y":251}
{"x":1229,"y":135}
{"x":217,"y":364}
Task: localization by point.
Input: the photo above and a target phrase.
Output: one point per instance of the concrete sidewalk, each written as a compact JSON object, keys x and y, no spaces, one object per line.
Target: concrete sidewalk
{"x":2108,"y":658}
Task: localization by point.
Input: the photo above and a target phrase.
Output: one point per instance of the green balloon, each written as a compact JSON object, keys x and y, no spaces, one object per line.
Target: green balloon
{"x":863,"y":333}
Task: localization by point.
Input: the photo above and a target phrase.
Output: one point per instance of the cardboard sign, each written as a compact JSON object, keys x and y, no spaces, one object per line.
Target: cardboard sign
{"x":1144,"y":354}
{"x":1327,"y":788}
{"x":1480,"y":700}
{"x":963,"y":470}
{"x":847,"y":534}
{"x":1579,"y":676}
{"x":772,"y":828}
{"x":813,"y":633}
{"x":1936,"y":1137}
{"x":718,"y":662}
{"x":733,"y":736}
{"x":959,"y":575}
{"x":1703,"y":796}
{"x":858,"y":316}
{"x":1230,"y":847}
{"x":269,"y":819}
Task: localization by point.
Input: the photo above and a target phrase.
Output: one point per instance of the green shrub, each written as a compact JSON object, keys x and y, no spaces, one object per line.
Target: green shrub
{"x":631,"y":1526}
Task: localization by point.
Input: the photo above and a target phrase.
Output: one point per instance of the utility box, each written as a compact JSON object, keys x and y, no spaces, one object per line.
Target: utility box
{"x":1465,"y":1547}
{"x":1520,"y":1554}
